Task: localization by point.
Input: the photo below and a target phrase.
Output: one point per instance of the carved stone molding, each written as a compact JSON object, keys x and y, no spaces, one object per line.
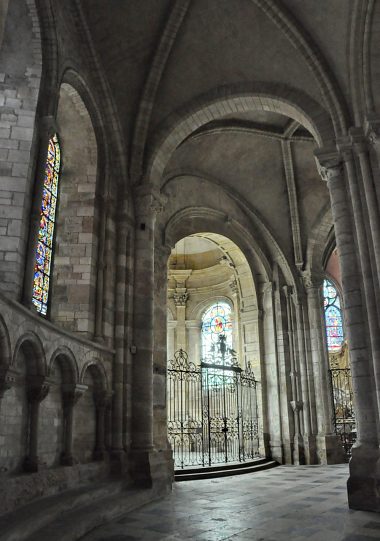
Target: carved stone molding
{"x":234,"y":286}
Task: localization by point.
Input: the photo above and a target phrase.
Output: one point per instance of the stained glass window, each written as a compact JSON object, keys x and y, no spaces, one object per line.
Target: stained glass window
{"x":333,"y":316}
{"x":216,"y":322}
{"x":44,"y":251}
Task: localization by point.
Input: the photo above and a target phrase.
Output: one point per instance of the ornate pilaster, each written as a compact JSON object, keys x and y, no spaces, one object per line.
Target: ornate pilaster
{"x":71,"y":393}
{"x":37,"y":390}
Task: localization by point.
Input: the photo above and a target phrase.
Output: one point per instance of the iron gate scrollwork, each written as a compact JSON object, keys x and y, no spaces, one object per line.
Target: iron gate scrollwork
{"x":212,"y":411}
{"x":343,"y":416}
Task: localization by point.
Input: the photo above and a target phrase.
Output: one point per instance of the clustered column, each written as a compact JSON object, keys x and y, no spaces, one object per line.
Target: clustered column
{"x":147,"y":205}
{"x":362,"y":484}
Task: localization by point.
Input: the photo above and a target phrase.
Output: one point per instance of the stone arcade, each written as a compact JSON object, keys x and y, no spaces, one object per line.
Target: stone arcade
{"x":250,"y":127}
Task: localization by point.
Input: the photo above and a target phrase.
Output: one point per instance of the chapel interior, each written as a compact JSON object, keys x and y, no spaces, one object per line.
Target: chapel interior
{"x":189,"y":250}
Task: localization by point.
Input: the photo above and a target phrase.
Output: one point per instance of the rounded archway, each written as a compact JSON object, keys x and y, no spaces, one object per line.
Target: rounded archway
{"x":214,"y":405}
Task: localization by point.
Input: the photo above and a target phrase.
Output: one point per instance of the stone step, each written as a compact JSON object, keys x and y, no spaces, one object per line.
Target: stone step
{"x":21,"y":524}
{"x":224,"y":471}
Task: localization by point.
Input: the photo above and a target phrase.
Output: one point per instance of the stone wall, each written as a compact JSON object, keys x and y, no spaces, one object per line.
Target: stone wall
{"x":75,"y":258}
{"x":46,"y":373}
{"x":20,"y":74}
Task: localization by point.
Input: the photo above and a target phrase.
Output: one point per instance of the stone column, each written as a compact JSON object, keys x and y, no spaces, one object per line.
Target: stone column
{"x":102,"y":203}
{"x":295,"y":402}
{"x":329,"y":447}
{"x":70,"y":396}
{"x":270,"y":376}
{"x":117,"y":447}
{"x":102,"y":399}
{"x":361,"y":149}
{"x":194,"y":336}
{"x":308,"y":435}
{"x":180,"y":299}
{"x":147,"y":204}
{"x":363,"y":480}
{"x":37,"y":390}
{"x":369,"y":280}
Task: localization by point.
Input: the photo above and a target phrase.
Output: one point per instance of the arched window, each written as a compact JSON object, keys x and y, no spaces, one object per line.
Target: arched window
{"x":216,"y":326}
{"x":44,"y":251}
{"x":333,"y":317}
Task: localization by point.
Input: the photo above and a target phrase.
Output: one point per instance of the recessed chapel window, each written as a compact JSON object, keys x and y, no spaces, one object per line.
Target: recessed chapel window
{"x":216,"y":332}
{"x":45,"y":241}
{"x":333,"y":317}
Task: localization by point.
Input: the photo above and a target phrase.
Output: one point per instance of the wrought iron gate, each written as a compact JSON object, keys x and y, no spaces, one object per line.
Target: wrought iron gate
{"x":212,"y":412}
{"x":344,"y":416}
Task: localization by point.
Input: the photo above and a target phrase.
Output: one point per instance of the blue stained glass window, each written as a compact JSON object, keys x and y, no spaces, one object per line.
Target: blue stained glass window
{"x":44,"y":251}
{"x":333,"y":316}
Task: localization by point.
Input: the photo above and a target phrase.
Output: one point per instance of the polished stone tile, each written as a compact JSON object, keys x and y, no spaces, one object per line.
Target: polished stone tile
{"x":285,"y":504}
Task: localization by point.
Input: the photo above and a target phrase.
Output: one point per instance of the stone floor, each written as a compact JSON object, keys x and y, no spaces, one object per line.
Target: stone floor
{"x":287,"y":503}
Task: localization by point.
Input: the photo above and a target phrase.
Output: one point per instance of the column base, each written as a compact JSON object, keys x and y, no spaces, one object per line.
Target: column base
{"x":32,"y":465}
{"x":99,"y":454}
{"x":151,"y":468}
{"x":310,"y":449}
{"x":118,"y":463}
{"x":67,"y":460}
{"x":298,"y":451}
{"x":330,"y":450}
{"x":276,"y":451}
{"x":287,"y":452}
{"x":363,"y":484}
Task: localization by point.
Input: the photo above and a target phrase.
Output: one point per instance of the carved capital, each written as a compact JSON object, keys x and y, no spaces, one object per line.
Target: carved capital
{"x":297,"y":405}
{"x":372,"y":129}
{"x":288,"y":291}
{"x":180,"y":298}
{"x":329,"y":164}
{"x":8,"y":378}
{"x":148,"y":201}
{"x":37,"y":388}
{"x":311,"y":281}
{"x":267,"y":287}
{"x":71,"y":393}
